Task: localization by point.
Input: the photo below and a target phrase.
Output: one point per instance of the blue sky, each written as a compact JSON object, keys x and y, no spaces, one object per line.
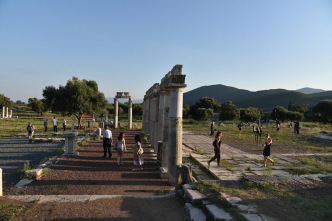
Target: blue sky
{"x":128,"y":45}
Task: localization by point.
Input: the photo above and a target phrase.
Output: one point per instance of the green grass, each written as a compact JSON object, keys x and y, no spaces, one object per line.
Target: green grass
{"x":8,"y":212}
{"x":21,"y":172}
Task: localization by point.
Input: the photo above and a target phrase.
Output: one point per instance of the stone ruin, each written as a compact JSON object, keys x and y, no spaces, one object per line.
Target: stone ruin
{"x":6,"y":113}
{"x":162,"y":120}
{"x":120,"y":95}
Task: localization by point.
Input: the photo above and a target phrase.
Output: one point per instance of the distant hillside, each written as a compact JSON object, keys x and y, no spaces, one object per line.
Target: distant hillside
{"x":266,"y":99}
{"x":308,"y":90}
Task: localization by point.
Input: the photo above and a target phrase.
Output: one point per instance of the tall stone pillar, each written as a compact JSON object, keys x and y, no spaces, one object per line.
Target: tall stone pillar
{"x":7,"y":115}
{"x":147,"y":115}
{"x":175,"y":132}
{"x":3,"y":112}
{"x":130,"y":113}
{"x":11,"y":113}
{"x":161,"y":115}
{"x":155,"y":123}
{"x":164,"y":162}
{"x":116,"y":113}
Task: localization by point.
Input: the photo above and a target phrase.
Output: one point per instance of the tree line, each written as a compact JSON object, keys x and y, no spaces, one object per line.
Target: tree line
{"x":206,"y":106}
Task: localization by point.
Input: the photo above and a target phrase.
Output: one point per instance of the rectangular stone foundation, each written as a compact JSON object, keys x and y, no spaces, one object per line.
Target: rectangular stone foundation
{"x":163,"y":172}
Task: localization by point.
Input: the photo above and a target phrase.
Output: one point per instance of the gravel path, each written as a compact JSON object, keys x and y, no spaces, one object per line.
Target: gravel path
{"x":14,"y":152}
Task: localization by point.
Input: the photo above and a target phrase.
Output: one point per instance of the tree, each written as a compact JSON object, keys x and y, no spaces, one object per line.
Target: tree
{"x":205,"y":104}
{"x":229,"y":111}
{"x":298,"y":108}
{"x":186,"y":111}
{"x":75,"y":98}
{"x":323,"y":110}
{"x":5,"y":101}
{"x":138,"y":110}
{"x":293,"y":115}
{"x":250,"y":114}
{"x":203,"y":114}
{"x":36,"y":105}
{"x":279,"y":113}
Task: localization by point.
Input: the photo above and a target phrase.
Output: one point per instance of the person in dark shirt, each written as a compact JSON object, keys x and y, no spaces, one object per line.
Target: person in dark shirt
{"x":216,"y":144}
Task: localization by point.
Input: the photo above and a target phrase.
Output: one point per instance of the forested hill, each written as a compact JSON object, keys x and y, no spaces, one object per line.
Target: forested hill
{"x":266,"y":99}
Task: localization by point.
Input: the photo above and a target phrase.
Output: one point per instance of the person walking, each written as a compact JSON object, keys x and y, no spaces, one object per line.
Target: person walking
{"x":45,"y":125}
{"x":55,"y":124}
{"x":267,"y":150}
{"x":212,"y":128}
{"x":120,"y":147}
{"x":297,"y":127}
{"x":30,"y":129}
{"x":107,"y":141}
{"x":64,"y":124}
{"x":138,"y":154}
{"x":216,"y":143}
{"x":240,"y":128}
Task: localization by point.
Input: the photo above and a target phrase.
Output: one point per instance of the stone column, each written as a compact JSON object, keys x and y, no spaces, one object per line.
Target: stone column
{"x":11,"y":113}
{"x":161,"y":115}
{"x":1,"y":194}
{"x":70,"y":143}
{"x":115,"y":113}
{"x":3,"y":112}
{"x":164,"y":162}
{"x":7,"y":115}
{"x":150,"y":125}
{"x":175,"y":132}
{"x":155,"y":123}
{"x":130,"y":113}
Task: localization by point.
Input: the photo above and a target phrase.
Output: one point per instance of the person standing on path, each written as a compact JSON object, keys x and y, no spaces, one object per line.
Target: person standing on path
{"x":138,"y":154}
{"x":267,"y":150}
{"x":107,"y":141}
{"x":120,"y":147}
{"x":212,"y":128}
{"x":45,"y":125}
{"x":240,"y":128}
{"x":30,"y":129}
{"x":64,"y":124}
{"x":216,"y":143}
{"x":55,"y":124}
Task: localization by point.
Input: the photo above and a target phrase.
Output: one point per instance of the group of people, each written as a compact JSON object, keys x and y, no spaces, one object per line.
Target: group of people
{"x":120,"y":147}
{"x":217,"y":145}
{"x":55,"y":124}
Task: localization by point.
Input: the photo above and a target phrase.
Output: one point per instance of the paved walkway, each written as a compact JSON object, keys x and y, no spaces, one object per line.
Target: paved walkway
{"x":14,"y":152}
{"x":240,"y":162}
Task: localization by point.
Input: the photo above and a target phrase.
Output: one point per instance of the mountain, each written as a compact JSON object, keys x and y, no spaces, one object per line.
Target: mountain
{"x":308,"y":90}
{"x":265,"y":99}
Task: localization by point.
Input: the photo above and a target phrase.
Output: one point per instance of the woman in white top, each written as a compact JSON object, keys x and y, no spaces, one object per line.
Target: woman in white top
{"x":138,"y":154}
{"x":120,"y":147}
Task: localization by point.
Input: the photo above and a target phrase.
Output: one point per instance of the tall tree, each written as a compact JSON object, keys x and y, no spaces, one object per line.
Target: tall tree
{"x":5,"y":101}
{"x":324,"y":110}
{"x":75,"y":98}
{"x":36,"y":105}
{"x":229,"y":111}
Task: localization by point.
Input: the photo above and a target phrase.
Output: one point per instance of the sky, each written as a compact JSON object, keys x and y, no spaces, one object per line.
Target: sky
{"x":128,"y":45}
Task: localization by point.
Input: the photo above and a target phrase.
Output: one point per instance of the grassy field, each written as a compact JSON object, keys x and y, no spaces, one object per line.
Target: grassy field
{"x":285,"y":138}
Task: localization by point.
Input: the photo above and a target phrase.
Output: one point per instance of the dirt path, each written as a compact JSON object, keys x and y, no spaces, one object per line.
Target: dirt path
{"x":91,"y":174}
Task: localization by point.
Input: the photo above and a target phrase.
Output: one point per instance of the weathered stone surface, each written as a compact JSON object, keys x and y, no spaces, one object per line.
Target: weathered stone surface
{"x":26,"y":198}
{"x":23,"y":182}
{"x":247,"y":208}
{"x":218,"y":213}
{"x":163,"y":172}
{"x":33,"y":173}
{"x":184,"y":172}
{"x":194,"y":196}
{"x":195,"y":213}
{"x":252,"y":217}
{"x":64,"y":198}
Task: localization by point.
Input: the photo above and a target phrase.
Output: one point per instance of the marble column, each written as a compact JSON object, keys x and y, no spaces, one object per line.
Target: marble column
{"x":155,"y":123}
{"x":7,"y":115}
{"x":164,"y":162}
{"x":3,"y":111}
{"x":116,"y":113}
{"x":175,"y":132}
{"x":130,"y":113}
{"x":161,"y":115}
{"x":11,"y":114}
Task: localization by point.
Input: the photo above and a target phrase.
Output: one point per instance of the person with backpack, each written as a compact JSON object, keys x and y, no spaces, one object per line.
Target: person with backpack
{"x":30,"y":129}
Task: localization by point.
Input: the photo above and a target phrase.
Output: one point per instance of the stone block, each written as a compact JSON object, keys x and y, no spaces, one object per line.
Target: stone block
{"x":23,"y":182}
{"x":163,"y":172}
{"x":35,"y":173}
{"x":218,"y":213}
{"x":184,"y":173}
{"x":247,"y":208}
{"x":252,"y":217}
{"x":194,"y":196}
{"x":195,"y":213}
